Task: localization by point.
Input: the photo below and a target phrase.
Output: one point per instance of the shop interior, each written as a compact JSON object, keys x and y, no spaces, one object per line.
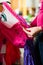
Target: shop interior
{"x":11,"y":13}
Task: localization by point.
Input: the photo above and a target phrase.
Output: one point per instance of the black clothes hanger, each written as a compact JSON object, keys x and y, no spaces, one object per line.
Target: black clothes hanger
{"x":5,"y":1}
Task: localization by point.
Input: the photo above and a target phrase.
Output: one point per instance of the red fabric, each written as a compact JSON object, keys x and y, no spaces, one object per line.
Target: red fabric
{"x":12,"y":53}
{"x":1,"y":56}
{"x":1,"y":43}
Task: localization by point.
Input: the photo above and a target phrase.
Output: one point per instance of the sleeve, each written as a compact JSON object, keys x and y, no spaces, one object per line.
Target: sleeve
{"x":34,"y":22}
{"x":40,"y":20}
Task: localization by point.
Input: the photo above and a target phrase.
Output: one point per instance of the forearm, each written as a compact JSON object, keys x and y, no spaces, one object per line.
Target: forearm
{"x":39,"y":28}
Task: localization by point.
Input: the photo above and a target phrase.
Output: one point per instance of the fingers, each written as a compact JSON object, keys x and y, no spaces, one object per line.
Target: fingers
{"x":25,"y":31}
{"x":28,"y":33}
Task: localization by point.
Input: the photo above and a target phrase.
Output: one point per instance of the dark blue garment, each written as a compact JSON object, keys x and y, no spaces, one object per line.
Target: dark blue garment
{"x":28,"y":53}
{"x":33,"y":51}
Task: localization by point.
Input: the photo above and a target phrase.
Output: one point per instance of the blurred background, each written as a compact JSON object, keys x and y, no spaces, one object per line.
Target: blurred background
{"x":27,"y":8}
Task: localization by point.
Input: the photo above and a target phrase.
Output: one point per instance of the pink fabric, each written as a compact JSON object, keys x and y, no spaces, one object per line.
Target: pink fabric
{"x":40,"y":16}
{"x":41,"y":6}
{"x":14,"y":34}
{"x":11,"y":11}
{"x":40,"y":19}
{"x":15,"y":38}
{"x":34,"y":22}
{"x":41,"y":0}
{"x":23,"y":22}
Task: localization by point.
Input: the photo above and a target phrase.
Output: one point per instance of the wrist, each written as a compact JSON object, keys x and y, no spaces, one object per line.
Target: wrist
{"x":40,"y":28}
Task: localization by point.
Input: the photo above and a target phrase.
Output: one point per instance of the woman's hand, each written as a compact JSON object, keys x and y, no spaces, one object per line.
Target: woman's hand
{"x":32,"y":31}
{"x":28,"y":32}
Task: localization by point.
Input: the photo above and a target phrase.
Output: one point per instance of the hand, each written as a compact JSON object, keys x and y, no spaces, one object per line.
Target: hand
{"x":32,"y":31}
{"x":27,"y":32}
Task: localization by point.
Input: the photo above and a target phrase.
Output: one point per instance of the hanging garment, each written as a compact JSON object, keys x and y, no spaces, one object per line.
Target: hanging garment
{"x":12,"y":16}
{"x":15,"y":37}
{"x":29,"y":53}
{"x":12,"y":54}
{"x":14,"y":34}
